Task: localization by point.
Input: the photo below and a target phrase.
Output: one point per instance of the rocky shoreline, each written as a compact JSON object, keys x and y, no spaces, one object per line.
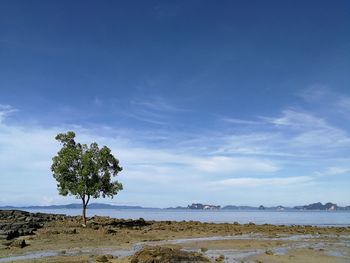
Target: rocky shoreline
{"x":16,"y":223}
{"x":63,"y":239}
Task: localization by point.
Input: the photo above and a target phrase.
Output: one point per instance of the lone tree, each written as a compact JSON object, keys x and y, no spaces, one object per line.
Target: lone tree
{"x":83,"y":171}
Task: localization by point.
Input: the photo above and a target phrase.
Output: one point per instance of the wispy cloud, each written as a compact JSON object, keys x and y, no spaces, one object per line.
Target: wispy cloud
{"x":255,"y":182}
{"x":154,"y":110}
{"x":314,"y":93}
{"x":323,"y":95}
{"x":239,"y":121}
{"x":298,"y":120}
{"x":157,"y":103}
{"x":5,"y":111}
{"x":223,"y":164}
{"x":333,"y":171}
{"x":310,"y":131}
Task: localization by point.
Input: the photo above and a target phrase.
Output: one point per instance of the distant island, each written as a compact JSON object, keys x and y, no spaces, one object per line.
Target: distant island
{"x":195,"y":206}
{"x":315,"y":206}
{"x":203,"y":207}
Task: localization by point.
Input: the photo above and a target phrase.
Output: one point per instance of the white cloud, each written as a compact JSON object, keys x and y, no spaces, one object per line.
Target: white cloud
{"x":334,"y":170}
{"x":26,"y":153}
{"x":177,"y":169}
{"x":223,"y":164}
{"x":307,"y":131}
{"x":254,"y":182}
{"x":298,"y":120}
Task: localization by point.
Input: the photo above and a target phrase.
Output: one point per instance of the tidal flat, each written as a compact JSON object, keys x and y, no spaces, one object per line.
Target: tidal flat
{"x":60,"y":238}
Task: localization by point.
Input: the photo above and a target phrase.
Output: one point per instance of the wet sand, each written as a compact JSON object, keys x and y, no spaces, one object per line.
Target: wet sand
{"x":68,"y":241}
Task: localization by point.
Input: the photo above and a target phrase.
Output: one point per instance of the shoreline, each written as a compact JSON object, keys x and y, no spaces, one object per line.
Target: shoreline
{"x":314,"y":218}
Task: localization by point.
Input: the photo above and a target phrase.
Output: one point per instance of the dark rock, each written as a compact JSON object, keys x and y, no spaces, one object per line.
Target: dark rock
{"x":220,"y":258}
{"x":102,"y":258}
{"x":120,"y":223}
{"x":12,"y":234}
{"x":158,"y":254}
{"x":110,"y":231}
{"x":15,"y":223}
{"x":21,"y":243}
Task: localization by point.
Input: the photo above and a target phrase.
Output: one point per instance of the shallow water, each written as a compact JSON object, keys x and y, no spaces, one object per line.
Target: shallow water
{"x":72,"y":252}
{"x":316,"y":218}
{"x":33,"y":255}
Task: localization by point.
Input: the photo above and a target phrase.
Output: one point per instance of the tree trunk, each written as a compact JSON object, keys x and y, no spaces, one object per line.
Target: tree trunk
{"x":84,"y":214}
{"x":85,"y":203}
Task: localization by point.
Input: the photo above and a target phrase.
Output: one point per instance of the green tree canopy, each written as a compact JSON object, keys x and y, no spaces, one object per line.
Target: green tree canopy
{"x":85,"y":171}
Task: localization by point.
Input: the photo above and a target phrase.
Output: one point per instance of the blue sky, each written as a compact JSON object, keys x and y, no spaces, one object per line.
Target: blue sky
{"x":223,"y":102}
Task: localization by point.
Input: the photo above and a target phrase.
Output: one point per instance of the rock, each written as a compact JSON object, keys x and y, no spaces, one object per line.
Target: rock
{"x":110,"y":231}
{"x":204,"y":249}
{"x":15,"y":223}
{"x":269,"y":252}
{"x":21,"y":243}
{"x":220,"y":258}
{"x":102,"y":258}
{"x":156,"y":254}
{"x":121,"y":223}
{"x":70,"y":231}
{"x":12,"y":234}
{"x":109,"y":256}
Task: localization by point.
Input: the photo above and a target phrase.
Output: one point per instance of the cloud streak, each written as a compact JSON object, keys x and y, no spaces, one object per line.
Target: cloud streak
{"x":5,"y":111}
{"x":257,"y":182}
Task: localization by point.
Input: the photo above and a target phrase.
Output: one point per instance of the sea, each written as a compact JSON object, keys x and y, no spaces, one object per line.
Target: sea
{"x":315,"y":218}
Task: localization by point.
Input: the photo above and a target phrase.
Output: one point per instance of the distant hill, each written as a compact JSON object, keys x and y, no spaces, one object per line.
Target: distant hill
{"x":177,"y":208}
{"x":326,"y":207}
{"x":316,"y":206}
{"x":243,"y":207}
{"x":76,"y":206}
{"x":198,"y":206}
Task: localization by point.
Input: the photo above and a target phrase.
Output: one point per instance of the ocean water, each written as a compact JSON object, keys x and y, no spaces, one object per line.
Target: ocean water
{"x":316,"y":218}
